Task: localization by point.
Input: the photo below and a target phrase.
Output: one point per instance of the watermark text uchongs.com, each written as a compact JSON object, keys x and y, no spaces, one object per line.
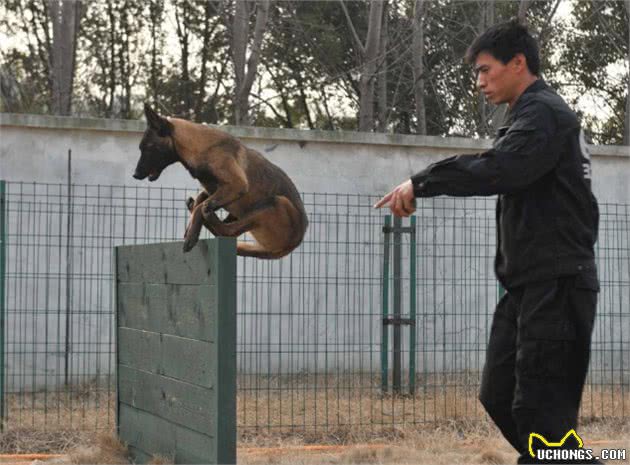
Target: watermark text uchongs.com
{"x":554,"y":450}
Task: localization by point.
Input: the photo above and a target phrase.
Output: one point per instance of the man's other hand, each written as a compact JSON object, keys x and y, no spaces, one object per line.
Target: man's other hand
{"x":401,"y":200}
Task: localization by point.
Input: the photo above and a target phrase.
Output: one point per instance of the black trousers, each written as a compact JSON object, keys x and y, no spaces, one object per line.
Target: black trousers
{"x":537,"y":360}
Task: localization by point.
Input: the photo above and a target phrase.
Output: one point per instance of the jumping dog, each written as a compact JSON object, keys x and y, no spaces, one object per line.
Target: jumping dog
{"x":259,"y":197}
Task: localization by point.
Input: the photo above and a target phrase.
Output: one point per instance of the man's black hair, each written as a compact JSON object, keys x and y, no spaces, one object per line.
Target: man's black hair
{"x":503,"y":41}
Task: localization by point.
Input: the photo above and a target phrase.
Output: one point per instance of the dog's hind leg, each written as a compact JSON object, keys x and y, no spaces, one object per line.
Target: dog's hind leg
{"x":267,"y":212}
{"x":254,"y":249}
{"x":232,"y":226}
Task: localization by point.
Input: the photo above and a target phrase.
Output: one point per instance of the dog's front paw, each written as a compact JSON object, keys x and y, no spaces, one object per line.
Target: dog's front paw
{"x":190,"y":203}
{"x":189,"y":244}
{"x":190,"y":240}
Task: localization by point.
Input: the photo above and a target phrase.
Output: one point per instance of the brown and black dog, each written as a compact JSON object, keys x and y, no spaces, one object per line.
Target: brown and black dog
{"x":259,"y":197}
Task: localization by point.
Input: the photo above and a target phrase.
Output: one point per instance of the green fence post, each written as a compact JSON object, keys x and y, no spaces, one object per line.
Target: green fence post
{"x":385,"y":305}
{"x":397,"y":271}
{"x":3,"y":241}
{"x":412,"y":307}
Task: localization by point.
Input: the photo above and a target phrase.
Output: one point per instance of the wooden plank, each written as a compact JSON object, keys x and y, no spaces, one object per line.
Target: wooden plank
{"x":140,"y":457}
{"x":185,"y":359}
{"x":179,"y":309}
{"x":182,"y":403}
{"x":153,"y":435}
{"x":166,"y":263}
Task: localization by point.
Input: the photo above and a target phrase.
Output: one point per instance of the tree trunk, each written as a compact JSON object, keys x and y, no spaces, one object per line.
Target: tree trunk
{"x":156,"y":9}
{"x":297,"y":68}
{"x":523,"y":6}
{"x":205,"y":54}
{"x":184,"y":104}
{"x":244,"y":80}
{"x":381,"y":102}
{"x":626,"y":120}
{"x":485,"y":109}
{"x":65,"y":16}
{"x":417,"y":54}
{"x":125,"y":63}
{"x":112,"y":56}
{"x":366,"y":83}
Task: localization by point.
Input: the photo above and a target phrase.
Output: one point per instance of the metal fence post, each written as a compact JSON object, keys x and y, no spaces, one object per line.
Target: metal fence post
{"x":69,"y":232}
{"x":412,"y":307}
{"x":385,"y":306}
{"x":396,"y":319}
{"x":397,"y":374}
{"x":3,"y":241}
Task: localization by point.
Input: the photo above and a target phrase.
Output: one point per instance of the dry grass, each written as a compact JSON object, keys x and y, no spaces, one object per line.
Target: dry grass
{"x":107,"y":450}
{"x":439,"y":424}
{"x":344,"y":411}
{"x":443,"y":443}
{"x":449,"y":443}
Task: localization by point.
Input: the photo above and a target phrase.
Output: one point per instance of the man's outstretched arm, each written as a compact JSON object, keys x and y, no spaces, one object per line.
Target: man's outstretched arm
{"x":518,"y":159}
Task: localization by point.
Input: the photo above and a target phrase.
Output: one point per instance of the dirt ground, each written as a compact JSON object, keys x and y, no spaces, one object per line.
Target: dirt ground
{"x":427,"y":429}
{"x":447,"y":443}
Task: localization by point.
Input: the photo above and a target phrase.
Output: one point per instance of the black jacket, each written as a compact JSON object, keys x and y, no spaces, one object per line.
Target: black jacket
{"x":539,"y":165}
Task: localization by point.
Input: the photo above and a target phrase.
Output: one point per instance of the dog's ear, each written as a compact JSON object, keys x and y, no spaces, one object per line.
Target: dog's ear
{"x":163,"y":126}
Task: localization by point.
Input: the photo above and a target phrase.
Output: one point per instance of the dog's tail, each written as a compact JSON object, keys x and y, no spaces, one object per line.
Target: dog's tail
{"x":254,"y":249}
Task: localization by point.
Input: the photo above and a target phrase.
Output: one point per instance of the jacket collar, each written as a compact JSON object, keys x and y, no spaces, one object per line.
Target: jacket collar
{"x":538,"y":85}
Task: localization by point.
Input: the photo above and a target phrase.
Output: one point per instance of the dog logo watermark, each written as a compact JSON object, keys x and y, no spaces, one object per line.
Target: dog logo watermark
{"x":554,"y":450}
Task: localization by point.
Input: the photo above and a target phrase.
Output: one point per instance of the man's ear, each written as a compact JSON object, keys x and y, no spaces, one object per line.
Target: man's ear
{"x":520,"y":61}
{"x":160,"y":124}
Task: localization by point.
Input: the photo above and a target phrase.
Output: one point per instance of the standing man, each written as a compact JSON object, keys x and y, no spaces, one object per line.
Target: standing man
{"x":547,"y":220}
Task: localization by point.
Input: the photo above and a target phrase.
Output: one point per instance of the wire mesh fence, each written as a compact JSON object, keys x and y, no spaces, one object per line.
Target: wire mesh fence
{"x":311,"y":349}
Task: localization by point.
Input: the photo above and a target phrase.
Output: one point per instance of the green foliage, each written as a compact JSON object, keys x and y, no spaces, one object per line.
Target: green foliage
{"x":594,"y":60}
{"x":176,"y":54}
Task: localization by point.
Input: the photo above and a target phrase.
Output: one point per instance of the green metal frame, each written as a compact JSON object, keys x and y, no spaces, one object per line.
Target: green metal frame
{"x":385,"y":308}
{"x":397,"y":304}
{"x":412,"y":307}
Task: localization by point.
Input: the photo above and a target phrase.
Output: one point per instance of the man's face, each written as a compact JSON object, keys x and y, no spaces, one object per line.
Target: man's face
{"x":496,"y":80}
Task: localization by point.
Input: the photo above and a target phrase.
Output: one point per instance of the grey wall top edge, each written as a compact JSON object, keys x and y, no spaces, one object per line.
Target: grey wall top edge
{"x":297,"y":135}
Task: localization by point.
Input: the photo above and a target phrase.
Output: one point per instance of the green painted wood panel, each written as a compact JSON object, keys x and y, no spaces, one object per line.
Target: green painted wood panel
{"x":166,"y":263}
{"x":176,"y":340}
{"x":173,"y":356}
{"x":180,"y":309}
{"x":182,"y":403}
{"x":156,"y":436}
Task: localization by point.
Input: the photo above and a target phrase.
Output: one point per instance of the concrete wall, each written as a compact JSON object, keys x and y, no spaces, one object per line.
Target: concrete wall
{"x":34,"y":148}
{"x":319,"y":308}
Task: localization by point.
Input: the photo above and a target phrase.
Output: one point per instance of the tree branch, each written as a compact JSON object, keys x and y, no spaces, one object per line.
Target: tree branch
{"x":355,"y":36}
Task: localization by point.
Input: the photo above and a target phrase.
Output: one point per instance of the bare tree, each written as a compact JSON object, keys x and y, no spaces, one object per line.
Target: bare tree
{"x":381,"y":102}
{"x":417,"y":53}
{"x":486,"y":110}
{"x":369,"y":54}
{"x":64,"y":15}
{"x":626,"y":121}
{"x":523,"y":6}
{"x":244,"y":78}
{"x":156,"y":12}
{"x":208,"y":30}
